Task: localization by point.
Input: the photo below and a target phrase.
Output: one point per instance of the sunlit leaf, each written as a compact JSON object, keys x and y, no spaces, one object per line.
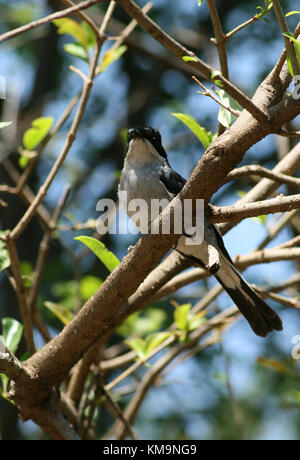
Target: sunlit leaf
{"x":214,"y":78}
{"x":292,"y":12}
{"x":138,"y":345}
{"x":225,"y":117}
{"x":153,"y":340}
{"x":5,"y":124}
{"x":204,"y":136}
{"x":70,"y":27}
{"x":296,"y":45}
{"x":77,"y":50}
{"x":111,"y":56}
{"x":91,"y":39}
{"x":60,"y":311}
{"x":197,"y":320}
{"x":143,"y":323}
{"x":260,"y":219}
{"x":27,"y":273}
{"x":190,"y":58}
{"x":38,"y":131}
{"x":4,"y":255}
{"x":181,"y":316}
{"x":11,"y":333}
{"x":241,"y":193}
{"x":99,"y":249}
{"x":88,"y":286}
{"x":66,"y":292}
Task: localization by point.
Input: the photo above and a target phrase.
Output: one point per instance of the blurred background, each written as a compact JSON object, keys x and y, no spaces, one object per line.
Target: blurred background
{"x":225,"y":392}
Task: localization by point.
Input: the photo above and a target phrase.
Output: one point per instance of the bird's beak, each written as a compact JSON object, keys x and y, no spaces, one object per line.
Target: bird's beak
{"x":134,"y":133}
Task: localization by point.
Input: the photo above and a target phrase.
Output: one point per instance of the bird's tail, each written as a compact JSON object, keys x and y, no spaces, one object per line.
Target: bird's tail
{"x":259,"y":315}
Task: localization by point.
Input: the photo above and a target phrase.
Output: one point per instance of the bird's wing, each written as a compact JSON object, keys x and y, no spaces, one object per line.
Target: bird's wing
{"x":173,"y":181}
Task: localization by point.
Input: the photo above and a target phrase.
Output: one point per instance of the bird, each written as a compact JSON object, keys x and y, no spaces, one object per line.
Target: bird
{"x":147,"y":175}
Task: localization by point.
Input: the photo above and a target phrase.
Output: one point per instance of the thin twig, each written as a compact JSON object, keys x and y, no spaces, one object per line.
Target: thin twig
{"x":24,"y":221}
{"x":257,"y":170}
{"x":240,"y":27}
{"x":220,"y":42}
{"x":107,"y":17}
{"x":176,"y":48}
{"x":24,"y":307}
{"x":288,"y":44}
{"x":237,"y":212}
{"x":85,"y":17}
{"x":40,"y":262}
{"x":210,"y":94}
{"x":50,"y":17}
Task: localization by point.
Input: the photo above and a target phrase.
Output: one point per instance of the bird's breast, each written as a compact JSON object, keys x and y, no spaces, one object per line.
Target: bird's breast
{"x":142,"y":184}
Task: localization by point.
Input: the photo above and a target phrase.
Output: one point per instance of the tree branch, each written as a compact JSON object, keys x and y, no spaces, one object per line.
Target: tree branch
{"x":49,"y":18}
{"x":257,"y":170}
{"x":176,"y":48}
{"x":238,"y":212}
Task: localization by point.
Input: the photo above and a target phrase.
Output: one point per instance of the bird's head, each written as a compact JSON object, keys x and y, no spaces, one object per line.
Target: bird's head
{"x":144,"y":144}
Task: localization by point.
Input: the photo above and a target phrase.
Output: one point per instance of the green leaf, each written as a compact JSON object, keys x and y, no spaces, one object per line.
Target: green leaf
{"x":260,"y":219}
{"x":292,"y":12}
{"x":290,"y":67}
{"x":27,"y":273}
{"x":70,"y":27}
{"x":23,"y":161}
{"x":111,"y":56}
{"x":38,"y":131}
{"x":143,"y":323}
{"x":4,"y":124}
{"x":25,"y":157}
{"x":4,"y":254}
{"x":197,"y":320}
{"x":241,"y":193}
{"x":190,"y":58}
{"x":89,"y":285}
{"x":5,"y":381}
{"x":60,"y":311}
{"x":181,"y":316}
{"x":91,"y":39}
{"x":138,"y":345}
{"x":214,"y":79}
{"x":77,"y":50}
{"x":204,"y":136}
{"x":153,"y":340}
{"x":66,"y":293}
{"x":99,"y":249}
{"x":225,"y":117}
{"x":296,"y":45}
{"x":264,"y":11}
{"x":200,"y":2}
{"x":11,"y":332}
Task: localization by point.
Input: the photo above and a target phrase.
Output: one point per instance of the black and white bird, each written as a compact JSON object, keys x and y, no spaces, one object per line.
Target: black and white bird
{"x":148,"y":175}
